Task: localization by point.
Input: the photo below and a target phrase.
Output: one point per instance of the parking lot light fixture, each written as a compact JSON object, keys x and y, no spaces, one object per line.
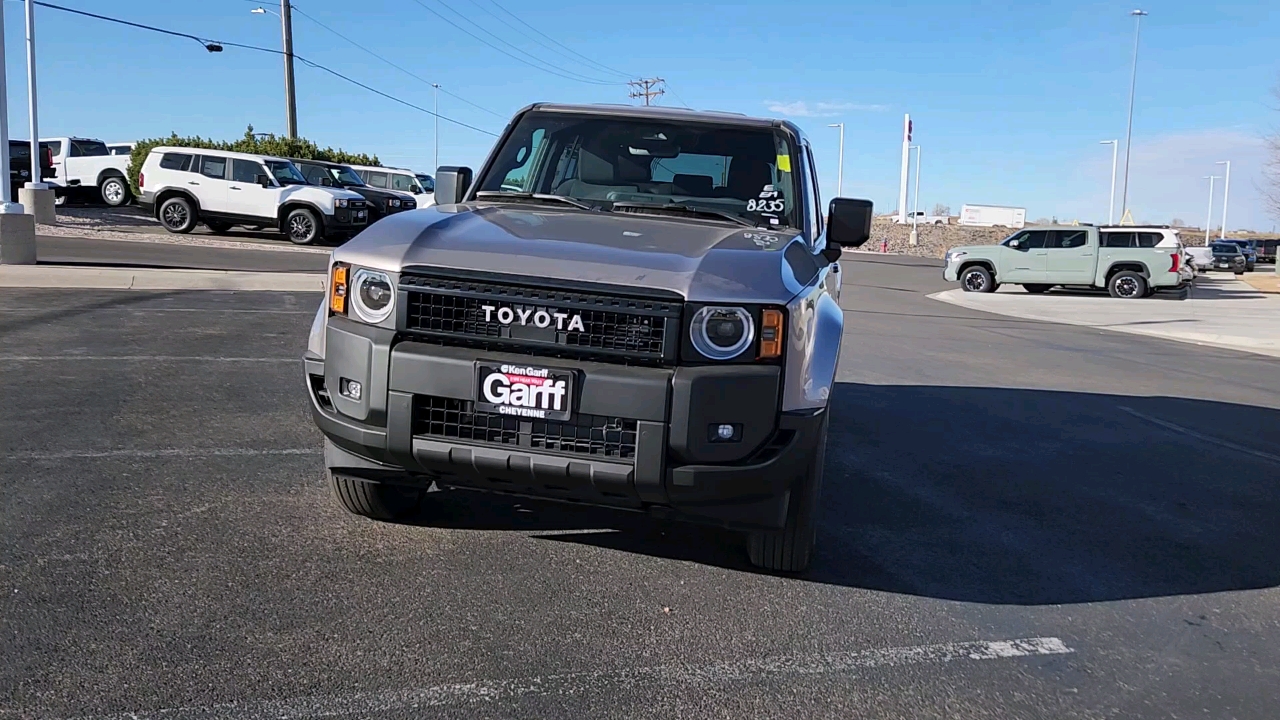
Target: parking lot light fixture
{"x":840,"y":167}
{"x":1133,"y":84}
{"x":1226,"y":193}
{"x":1208,"y":223}
{"x":1111,"y":199}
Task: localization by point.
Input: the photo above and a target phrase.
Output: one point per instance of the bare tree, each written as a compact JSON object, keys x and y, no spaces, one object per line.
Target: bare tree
{"x":941,"y":210}
{"x":1271,"y":171}
{"x":1177,"y":222}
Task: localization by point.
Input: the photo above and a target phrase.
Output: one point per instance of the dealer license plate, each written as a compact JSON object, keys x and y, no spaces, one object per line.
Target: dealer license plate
{"x":529,"y":391}
{"x":1223,"y":265}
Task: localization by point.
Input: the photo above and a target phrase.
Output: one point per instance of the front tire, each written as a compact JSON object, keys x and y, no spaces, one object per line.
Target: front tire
{"x":177,"y":215}
{"x":790,"y":549}
{"x":977,"y":278}
{"x":303,"y":227}
{"x":375,"y":500}
{"x":1127,"y":285}
{"x":1037,"y":289}
{"x":115,"y":191}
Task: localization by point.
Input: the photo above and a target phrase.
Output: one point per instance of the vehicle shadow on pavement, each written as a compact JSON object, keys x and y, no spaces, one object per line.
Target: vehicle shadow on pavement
{"x":992,"y":495}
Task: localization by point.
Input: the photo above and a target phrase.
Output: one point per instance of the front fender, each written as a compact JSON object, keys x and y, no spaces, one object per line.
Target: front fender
{"x":315,"y":340}
{"x":813,"y":348}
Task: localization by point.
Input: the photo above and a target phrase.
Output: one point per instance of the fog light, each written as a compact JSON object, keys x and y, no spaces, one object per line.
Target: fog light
{"x":724,"y":432}
{"x":350,"y":389}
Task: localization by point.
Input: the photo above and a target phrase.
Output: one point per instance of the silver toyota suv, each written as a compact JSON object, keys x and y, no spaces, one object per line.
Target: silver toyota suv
{"x":629,"y":307}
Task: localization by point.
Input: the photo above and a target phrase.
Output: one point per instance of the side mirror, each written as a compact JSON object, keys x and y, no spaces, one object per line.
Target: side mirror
{"x":832,"y":251}
{"x":850,"y":224}
{"x":263,"y":180}
{"x":452,"y":184}
{"x":1015,"y":244}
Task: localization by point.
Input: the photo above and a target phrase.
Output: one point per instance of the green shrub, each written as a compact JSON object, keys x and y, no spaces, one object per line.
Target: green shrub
{"x":268,"y":144}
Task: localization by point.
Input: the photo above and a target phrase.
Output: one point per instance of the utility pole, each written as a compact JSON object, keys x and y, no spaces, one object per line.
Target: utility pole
{"x":644,"y":88}
{"x":1226,"y":193}
{"x":7,"y":196}
{"x":906,"y":165}
{"x":1133,"y":84}
{"x":840,"y":167}
{"x":291,"y":102}
{"x":1208,"y":223}
{"x":436,"y":133}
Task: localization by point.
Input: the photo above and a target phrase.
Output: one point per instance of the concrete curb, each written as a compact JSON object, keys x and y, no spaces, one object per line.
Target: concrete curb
{"x":35,"y":276}
{"x":77,"y":233}
{"x":1240,"y":343}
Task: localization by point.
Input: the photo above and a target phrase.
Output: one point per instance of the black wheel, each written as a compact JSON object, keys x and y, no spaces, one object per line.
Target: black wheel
{"x":976,"y":278}
{"x":1127,"y":285}
{"x":1249,"y":267}
{"x":1151,"y":292}
{"x":791,"y":548}
{"x":303,"y":227}
{"x":374,"y":500}
{"x":115,"y":191}
{"x":1037,"y":289}
{"x":177,"y":215}
{"x":1239,"y":273}
{"x":218,"y":227}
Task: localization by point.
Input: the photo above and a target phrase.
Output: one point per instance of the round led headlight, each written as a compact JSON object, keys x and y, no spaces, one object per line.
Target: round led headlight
{"x":372,"y":295}
{"x":722,"y":333}
{"x":393,"y":202}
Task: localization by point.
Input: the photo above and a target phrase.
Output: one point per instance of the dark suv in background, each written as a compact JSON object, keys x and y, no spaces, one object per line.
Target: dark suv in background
{"x":1249,"y":249}
{"x":330,"y":174}
{"x":20,"y":165}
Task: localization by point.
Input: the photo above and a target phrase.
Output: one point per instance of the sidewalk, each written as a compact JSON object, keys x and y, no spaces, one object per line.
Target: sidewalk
{"x":101,"y":278}
{"x":1220,"y":312}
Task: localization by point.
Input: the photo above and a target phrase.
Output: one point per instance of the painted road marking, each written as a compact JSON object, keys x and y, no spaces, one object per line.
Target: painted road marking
{"x":163,"y":453}
{"x":373,"y":703}
{"x":1201,"y":436}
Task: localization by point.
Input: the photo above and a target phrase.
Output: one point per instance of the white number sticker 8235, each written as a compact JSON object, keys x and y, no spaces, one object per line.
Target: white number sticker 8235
{"x":765,"y":206}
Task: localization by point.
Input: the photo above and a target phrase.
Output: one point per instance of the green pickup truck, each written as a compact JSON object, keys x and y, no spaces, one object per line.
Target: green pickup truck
{"x":1042,"y":257}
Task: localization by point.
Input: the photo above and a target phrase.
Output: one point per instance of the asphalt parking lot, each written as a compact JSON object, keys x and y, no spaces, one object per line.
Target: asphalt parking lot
{"x":1022,"y":519}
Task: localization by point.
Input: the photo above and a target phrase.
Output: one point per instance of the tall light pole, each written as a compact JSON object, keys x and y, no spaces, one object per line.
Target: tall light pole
{"x":1133,"y":84}
{"x":36,"y":177}
{"x":1111,"y":199}
{"x":915,"y":209}
{"x":1208,"y":223}
{"x":840,"y":167}
{"x":1226,"y":193}
{"x":436,"y":133}
{"x":290,"y":98}
{"x":7,"y":196}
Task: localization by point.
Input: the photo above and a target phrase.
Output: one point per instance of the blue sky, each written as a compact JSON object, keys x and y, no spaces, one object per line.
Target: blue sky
{"x":1009,"y":99}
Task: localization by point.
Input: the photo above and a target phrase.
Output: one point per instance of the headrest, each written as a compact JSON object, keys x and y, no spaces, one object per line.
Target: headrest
{"x":697,"y":185}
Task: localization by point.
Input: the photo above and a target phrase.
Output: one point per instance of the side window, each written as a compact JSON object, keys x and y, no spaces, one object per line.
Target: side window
{"x":1118,"y":240}
{"x":246,"y":171}
{"x":1068,"y":238}
{"x":402,"y":182}
{"x":429,"y":184}
{"x":1149,"y":239}
{"x":1035,"y":239}
{"x":377,"y":179}
{"x":213,"y":167}
{"x":175,"y":161}
{"x":54,"y":146}
{"x":815,"y":195}
{"x":88,"y":148}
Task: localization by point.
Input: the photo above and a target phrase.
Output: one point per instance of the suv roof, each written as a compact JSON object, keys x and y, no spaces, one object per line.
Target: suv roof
{"x":1130,"y":228}
{"x":223,"y":153}
{"x":326,"y":163}
{"x":658,"y":113}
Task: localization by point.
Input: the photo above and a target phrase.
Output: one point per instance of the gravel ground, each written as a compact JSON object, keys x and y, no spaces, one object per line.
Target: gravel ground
{"x":934,"y":240}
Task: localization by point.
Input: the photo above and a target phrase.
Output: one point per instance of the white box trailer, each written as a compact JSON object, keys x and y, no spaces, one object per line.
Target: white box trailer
{"x":993,"y":216}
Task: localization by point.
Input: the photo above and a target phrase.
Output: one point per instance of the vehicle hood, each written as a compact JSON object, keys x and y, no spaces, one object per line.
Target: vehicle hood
{"x":983,"y":250}
{"x":701,"y":261}
{"x":378,"y":195}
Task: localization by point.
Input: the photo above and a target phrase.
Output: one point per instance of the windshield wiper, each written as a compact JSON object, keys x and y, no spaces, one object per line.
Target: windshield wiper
{"x":682,"y":209}
{"x":503,"y":194}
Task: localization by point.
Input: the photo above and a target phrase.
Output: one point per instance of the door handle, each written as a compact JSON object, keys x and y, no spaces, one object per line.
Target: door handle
{"x":192,"y":182}
{"x":233,"y":187}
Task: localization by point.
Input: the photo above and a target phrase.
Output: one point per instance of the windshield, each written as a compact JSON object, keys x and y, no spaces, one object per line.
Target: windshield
{"x":345,"y":177}
{"x":286,"y":173}
{"x":1225,"y":249}
{"x":602,"y":161}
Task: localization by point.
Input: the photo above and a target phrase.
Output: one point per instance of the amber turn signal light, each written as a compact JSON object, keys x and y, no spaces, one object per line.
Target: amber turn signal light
{"x":338,"y":290}
{"x":771,"y":327}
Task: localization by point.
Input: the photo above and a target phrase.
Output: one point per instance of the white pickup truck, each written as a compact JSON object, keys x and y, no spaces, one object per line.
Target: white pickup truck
{"x":86,"y":166}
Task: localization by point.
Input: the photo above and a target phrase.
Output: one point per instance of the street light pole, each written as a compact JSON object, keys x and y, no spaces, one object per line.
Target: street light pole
{"x":36,"y":177}
{"x":1226,"y":193}
{"x":291,"y":104}
{"x":1208,"y":223}
{"x":1133,"y":84}
{"x":436,"y":133}
{"x":7,"y":195}
{"x":840,"y":168}
{"x":915,"y":203}
{"x":1111,"y":199}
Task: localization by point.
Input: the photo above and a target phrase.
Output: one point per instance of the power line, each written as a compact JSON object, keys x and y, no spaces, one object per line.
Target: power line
{"x":568,"y":56}
{"x":398,"y":67}
{"x":557,"y":42}
{"x":210,"y":44}
{"x":644,"y":88}
{"x":559,"y":72}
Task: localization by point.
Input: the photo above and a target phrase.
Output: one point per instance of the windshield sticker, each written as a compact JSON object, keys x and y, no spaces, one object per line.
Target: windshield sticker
{"x":784,"y":163}
{"x":762,"y":240}
{"x":768,"y":202}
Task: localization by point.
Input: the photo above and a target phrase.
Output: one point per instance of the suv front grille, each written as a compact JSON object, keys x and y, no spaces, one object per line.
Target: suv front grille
{"x":555,"y":322}
{"x":599,"y":436}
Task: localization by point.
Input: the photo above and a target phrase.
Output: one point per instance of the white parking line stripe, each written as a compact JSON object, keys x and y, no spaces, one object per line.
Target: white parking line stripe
{"x":572,"y":683}
{"x":164,"y":453}
{"x":145,"y":358}
{"x":1201,"y":436}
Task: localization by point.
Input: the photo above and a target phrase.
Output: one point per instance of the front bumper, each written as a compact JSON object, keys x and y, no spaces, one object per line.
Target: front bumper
{"x":415,"y":424}
{"x":346,"y":221}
